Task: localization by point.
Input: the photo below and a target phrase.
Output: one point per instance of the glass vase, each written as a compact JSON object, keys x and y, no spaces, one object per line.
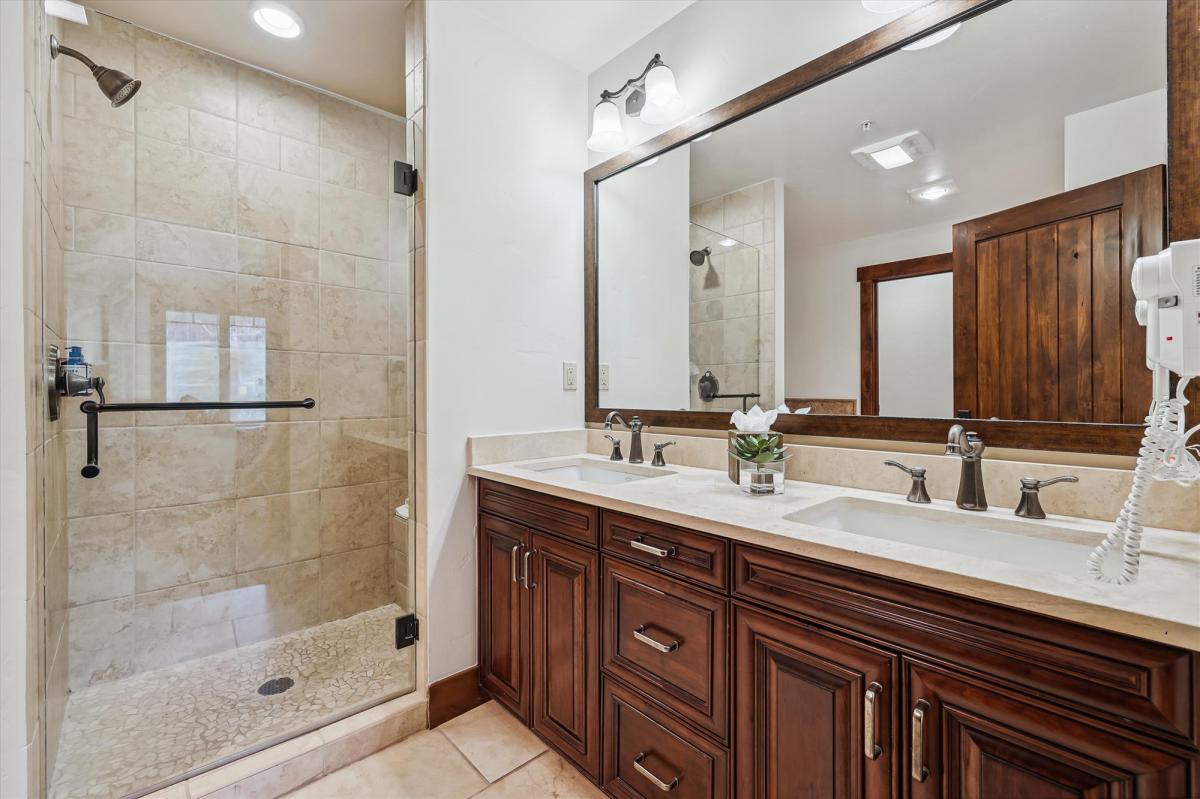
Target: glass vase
{"x":761,"y":479}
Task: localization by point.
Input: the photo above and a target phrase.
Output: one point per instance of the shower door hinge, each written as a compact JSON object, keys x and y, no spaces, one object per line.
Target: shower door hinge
{"x":408,"y":630}
{"x":405,"y":179}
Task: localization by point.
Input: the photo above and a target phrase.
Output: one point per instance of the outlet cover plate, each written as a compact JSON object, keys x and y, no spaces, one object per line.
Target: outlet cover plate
{"x":570,"y":376}
{"x":603,"y":377}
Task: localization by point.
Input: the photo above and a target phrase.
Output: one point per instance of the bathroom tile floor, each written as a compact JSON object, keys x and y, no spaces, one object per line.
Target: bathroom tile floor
{"x":127,"y":735}
{"x":485,"y":753}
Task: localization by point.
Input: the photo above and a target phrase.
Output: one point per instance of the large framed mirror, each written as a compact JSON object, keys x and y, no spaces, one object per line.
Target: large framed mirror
{"x":898,"y":235}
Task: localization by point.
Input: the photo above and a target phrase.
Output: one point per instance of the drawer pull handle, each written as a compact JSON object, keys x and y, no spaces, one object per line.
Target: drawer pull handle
{"x":640,"y":634}
{"x":645,"y":772}
{"x":513,"y":561}
{"x":639,"y":543}
{"x":919,"y":770}
{"x":871,"y":749}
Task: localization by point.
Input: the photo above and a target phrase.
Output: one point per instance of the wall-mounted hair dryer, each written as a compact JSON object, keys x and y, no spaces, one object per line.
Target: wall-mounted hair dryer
{"x":1167,"y":288}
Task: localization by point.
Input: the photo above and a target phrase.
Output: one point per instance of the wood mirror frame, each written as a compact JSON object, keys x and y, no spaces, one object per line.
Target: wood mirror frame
{"x":1183,"y":198}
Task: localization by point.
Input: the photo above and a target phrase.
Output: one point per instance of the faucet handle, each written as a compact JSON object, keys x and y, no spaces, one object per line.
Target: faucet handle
{"x":658,"y":453}
{"x":1030,"y":506}
{"x":917,"y":493}
{"x":616,"y":448}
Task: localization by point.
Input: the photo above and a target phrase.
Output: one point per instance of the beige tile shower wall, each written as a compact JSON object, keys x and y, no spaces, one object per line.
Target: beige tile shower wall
{"x":415,"y":530}
{"x":47,"y":630}
{"x":229,"y":235}
{"x":732,"y":318}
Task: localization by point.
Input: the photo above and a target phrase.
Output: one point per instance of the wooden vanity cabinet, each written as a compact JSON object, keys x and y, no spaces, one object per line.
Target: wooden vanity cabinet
{"x":765,"y":675}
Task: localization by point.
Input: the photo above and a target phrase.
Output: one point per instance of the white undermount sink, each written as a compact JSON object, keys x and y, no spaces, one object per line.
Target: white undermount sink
{"x":601,"y":472}
{"x":1041,"y":546}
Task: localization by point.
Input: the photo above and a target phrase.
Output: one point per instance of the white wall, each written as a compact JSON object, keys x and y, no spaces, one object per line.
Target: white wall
{"x":644,"y":272}
{"x":823,"y":309}
{"x":916,"y":346}
{"x":1115,"y":139}
{"x":13,"y":541}
{"x":719,"y":49}
{"x":505,"y":159}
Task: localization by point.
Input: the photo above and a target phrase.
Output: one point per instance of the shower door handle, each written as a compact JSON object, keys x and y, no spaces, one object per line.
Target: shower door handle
{"x":93,"y":409}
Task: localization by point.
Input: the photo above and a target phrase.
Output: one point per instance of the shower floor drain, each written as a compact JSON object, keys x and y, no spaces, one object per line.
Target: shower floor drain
{"x":276,"y":686}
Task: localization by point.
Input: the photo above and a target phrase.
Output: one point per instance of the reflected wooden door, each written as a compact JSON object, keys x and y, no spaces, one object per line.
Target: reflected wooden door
{"x":1044,"y":327}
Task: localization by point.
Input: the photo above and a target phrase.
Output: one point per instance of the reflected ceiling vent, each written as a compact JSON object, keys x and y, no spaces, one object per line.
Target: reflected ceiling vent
{"x":894,"y":152}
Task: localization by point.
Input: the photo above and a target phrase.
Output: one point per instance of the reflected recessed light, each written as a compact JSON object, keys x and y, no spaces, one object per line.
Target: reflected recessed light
{"x":727,"y":242}
{"x":932,"y":192}
{"x":276,"y":19}
{"x":933,"y":38}
{"x":648,"y":162}
{"x":894,"y":152}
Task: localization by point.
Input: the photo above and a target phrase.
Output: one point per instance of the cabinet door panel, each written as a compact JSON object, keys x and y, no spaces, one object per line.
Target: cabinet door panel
{"x":980,"y":742}
{"x":503,"y":614}
{"x":801,"y":711}
{"x":565,"y":655}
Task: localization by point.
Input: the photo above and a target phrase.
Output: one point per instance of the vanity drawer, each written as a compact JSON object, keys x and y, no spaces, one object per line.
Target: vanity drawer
{"x":646,"y":752}
{"x":543,"y":512}
{"x":696,"y":556}
{"x":644,"y":613}
{"x":1123,"y":679}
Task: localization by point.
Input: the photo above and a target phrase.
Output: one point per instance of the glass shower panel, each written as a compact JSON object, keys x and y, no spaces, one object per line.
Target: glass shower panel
{"x":234,"y":574}
{"x":727,"y":325}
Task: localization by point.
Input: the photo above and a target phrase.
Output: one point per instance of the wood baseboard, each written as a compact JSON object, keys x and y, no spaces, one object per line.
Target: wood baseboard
{"x":454,"y":695}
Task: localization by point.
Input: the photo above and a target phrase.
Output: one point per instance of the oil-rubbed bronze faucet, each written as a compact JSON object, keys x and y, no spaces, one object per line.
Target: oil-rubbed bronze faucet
{"x":635,"y":434}
{"x":1030,"y":506}
{"x":969,"y":447}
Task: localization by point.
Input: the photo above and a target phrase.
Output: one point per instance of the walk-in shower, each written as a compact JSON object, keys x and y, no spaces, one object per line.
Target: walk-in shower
{"x":228,"y":282}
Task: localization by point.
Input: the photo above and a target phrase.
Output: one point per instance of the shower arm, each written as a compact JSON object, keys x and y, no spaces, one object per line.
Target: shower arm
{"x":633,"y":82}
{"x":57,"y":48}
{"x":93,"y":409}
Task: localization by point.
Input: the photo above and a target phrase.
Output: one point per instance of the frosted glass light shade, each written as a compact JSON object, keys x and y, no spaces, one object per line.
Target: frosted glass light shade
{"x":607,"y":135}
{"x":664,"y":103}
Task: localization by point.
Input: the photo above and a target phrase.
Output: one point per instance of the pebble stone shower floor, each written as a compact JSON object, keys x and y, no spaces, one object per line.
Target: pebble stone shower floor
{"x":124,"y":736}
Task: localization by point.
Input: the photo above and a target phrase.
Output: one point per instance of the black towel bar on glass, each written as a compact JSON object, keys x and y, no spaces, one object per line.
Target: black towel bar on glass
{"x":93,"y":409}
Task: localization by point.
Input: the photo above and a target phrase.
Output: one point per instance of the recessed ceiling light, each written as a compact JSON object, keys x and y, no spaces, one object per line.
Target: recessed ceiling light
{"x":932,"y":192}
{"x":727,"y":242}
{"x":894,"y":152}
{"x":933,"y":38}
{"x":891,"y":6}
{"x":276,"y":19}
{"x":65,"y":9}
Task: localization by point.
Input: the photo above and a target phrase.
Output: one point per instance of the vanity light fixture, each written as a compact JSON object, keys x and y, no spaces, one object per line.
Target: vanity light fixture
{"x":934,"y":38}
{"x":653,"y":96}
{"x":276,"y":19}
{"x":894,"y":152}
{"x":932,"y":192}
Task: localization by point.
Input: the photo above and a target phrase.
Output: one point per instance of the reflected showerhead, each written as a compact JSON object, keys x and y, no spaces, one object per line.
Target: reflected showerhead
{"x":698,"y":257}
{"x":116,"y":85}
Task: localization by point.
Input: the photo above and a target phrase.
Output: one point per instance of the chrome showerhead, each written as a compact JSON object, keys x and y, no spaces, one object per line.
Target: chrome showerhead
{"x":118,"y":87}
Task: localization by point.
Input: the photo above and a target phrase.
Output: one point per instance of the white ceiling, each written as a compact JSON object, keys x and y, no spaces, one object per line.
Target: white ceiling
{"x":354,"y":48}
{"x":585,"y":34}
{"x":992,"y":98}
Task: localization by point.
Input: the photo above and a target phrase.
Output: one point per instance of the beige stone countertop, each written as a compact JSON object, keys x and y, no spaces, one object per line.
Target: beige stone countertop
{"x":1163,"y":605}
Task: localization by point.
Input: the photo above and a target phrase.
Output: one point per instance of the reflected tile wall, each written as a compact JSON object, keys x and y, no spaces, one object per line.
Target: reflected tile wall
{"x":732,"y":315}
{"x":229,"y":235}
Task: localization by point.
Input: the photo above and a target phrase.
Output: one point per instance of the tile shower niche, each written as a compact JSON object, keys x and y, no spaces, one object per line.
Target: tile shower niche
{"x":228,"y":235}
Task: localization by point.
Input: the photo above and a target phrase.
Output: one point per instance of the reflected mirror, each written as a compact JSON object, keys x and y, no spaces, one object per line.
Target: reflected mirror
{"x":945,"y":231}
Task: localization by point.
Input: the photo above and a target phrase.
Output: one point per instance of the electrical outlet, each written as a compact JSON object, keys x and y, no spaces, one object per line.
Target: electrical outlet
{"x":570,"y":376}
{"x":603,"y":377}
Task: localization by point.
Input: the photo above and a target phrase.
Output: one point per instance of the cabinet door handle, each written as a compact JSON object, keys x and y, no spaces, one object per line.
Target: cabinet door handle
{"x":645,"y":772}
{"x":871,"y":749}
{"x":529,"y":554}
{"x":919,"y":770}
{"x":513,"y":560}
{"x":640,"y":634}
{"x":639,"y":543}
